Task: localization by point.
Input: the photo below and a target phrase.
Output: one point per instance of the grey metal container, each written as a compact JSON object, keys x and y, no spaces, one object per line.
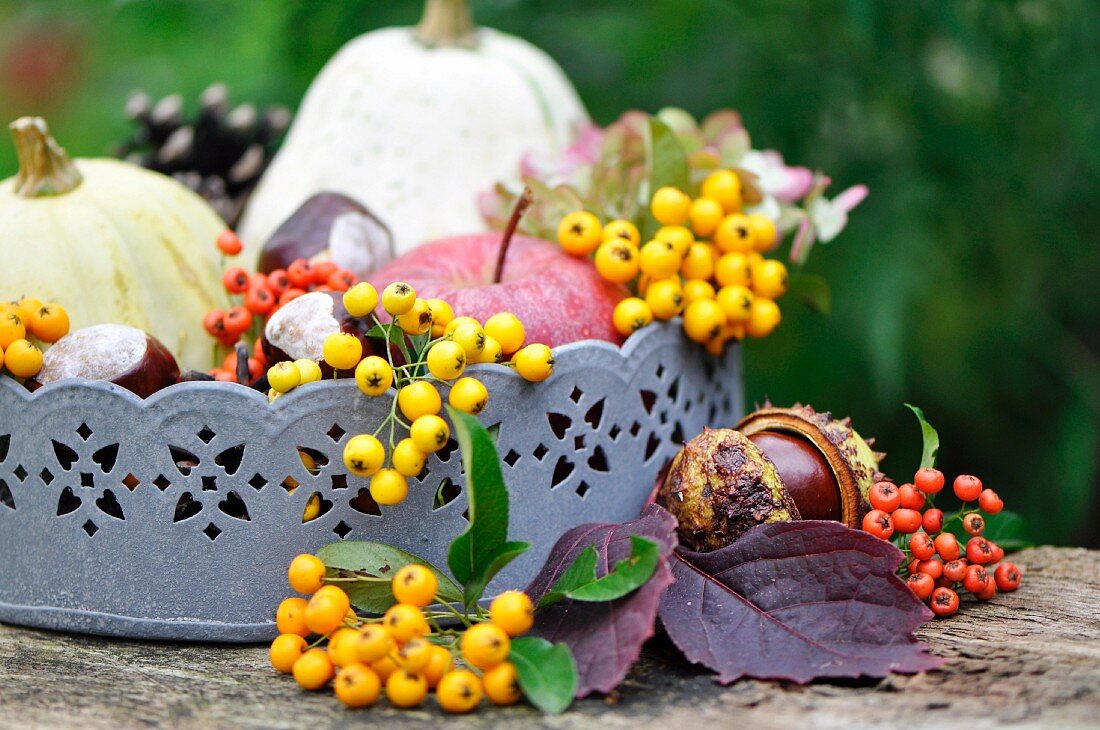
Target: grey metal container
{"x":175,"y":517}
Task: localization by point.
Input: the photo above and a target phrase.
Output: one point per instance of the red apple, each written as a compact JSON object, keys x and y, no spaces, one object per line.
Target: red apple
{"x":558,"y":298}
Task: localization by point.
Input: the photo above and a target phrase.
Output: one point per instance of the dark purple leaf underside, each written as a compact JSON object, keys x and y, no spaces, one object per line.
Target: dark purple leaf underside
{"x":796,"y":601}
{"x":605,"y":638}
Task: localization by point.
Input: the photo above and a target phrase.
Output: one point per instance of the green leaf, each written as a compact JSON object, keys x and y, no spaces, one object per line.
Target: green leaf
{"x":580,"y":583}
{"x":367,"y":559}
{"x":1006,"y":528}
{"x":483,"y":549}
{"x":666,"y":165}
{"x":813,"y":290}
{"x":547,"y":673}
{"x":931,"y":438}
{"x":387,"y":332}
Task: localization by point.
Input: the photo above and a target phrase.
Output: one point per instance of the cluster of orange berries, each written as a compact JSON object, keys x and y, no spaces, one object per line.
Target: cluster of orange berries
{"x":705,"y":263}
{"x":260,"y":296}
{"x":440,"y":345}
{"x":23,"y":321}
{"x":939,"y":567}
{"x":406,"y":651}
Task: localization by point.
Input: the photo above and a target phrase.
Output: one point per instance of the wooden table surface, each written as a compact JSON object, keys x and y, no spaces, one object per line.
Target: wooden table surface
{"x":1027,"y":659}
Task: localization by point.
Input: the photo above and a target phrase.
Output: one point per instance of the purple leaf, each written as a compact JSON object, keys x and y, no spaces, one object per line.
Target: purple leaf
{"x":796,"y":601}
{"x":605,"y":638}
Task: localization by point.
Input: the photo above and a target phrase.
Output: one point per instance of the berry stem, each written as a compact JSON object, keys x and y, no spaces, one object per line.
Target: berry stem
{"x":522,"y":204}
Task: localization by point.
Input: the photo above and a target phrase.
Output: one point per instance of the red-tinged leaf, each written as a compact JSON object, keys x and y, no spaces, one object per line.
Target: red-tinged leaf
{"x":796,"y":601}
{"x":605,"y":638}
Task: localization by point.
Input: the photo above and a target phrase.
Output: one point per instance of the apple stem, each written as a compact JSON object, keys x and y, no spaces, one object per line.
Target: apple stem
{"x":525,"y":200}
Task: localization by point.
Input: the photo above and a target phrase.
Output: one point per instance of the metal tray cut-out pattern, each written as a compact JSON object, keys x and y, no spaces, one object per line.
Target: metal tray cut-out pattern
{"x":175,"y":517}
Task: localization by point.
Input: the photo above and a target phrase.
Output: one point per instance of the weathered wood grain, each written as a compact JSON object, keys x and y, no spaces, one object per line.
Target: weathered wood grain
{"x":1031,"y":659}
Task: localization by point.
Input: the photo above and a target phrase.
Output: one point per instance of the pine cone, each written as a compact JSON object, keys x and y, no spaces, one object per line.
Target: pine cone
{"x":219,"y":153}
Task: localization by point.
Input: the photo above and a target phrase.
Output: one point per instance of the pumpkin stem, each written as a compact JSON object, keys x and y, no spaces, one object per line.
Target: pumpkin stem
{"x":447,"y":24}
{"x":44,"y":168}
{"x":517,"y":212}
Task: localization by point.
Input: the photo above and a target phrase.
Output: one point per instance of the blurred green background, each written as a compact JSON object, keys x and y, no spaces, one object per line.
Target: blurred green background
{"x":966,"y":283}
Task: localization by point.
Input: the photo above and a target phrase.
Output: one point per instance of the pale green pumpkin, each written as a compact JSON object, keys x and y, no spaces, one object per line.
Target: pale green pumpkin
{"x":111,"y":242}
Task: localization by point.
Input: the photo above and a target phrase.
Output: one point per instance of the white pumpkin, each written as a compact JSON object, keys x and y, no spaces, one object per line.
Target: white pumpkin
{"x":112,"y":242}
{"x":415,"y":123}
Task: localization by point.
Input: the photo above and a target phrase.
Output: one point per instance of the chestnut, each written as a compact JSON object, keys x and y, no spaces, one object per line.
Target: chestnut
{"x":804,"y":472}
{"x":330,"y":226}
{"x":299,"y":328}
{"x":123,"y":355}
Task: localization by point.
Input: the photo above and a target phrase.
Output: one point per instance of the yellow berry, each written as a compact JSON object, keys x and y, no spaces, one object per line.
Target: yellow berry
{"x":705,"y":215}
{"x":415,"y":584}
{"x":459,"y":691}
{"x":725,"y":187}
{"x":374,"y":642}
{"x":505,"y":328}
{"x":23,"y":359}
{"x":361,"y":299}
{"x":659,"y":260}
{"x":342,"y":351}
{"x":407,"y":457}
{"x":630,"y":315}
{"x":389,"y":487}
{"x":665,"y":298}
{"x":765,"y":318}
{"x":306,"y":573}
{"x":49,"y":323}
{"x":623,"y":229}
{"x":696,"y":289}
{"x":703,"y":320}
{"x":468,"y":395}
{"x":734,"y":234}
{"x":342,"y":646}
{"x":414,"y":655}
{"x":579,"y":233}
{"x":419,"y":398}
{"x":698,"y":262}
{"x":492,"y":352}
{"x":430,"y":433}
{"x":670,"y":206}
{"x":27,"y":309}
{"x":501,"y":684}
{"x":364,"y":455}
{"x":732,"y":269}
{"x":769,"y":279}
{"x":679,"y":237}
{"x":454,"y":324}
{"x":471,"y":337}
{"x":736,"y":302}
{"x":283,"y":377}
{"x":373,"y":375}
{"x":314,"y":669}
{"x":405,"y":689}
{"x":617,"y":261}
{"x":442,"y":314}
{"x":405,"y":622}
{"x":11,"y":329}
{"x":485,"y":645}
{"x":447,"y":359}
{"x":717,"y":346}
{"x":439,"y":663}
{"x":308,"y":371}
{"x":764,"y":235}
{"x":534,"y":363}
{"x":313,"y":508}
{"x":290,"y":618}
{"x":398,"y":298}
{"x":357,"y":685}
{"x":327,"y":609}
{"x":416,"y":321}
{"x":285,"y":651}
{"x":513,"y":612}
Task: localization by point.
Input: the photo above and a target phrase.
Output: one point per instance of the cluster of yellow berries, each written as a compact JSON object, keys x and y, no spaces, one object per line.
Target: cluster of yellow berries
{"x":406,"y":651}
{"x":436,"y":347}
{"x":20,"y":322}
{"x":706,"y":263}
